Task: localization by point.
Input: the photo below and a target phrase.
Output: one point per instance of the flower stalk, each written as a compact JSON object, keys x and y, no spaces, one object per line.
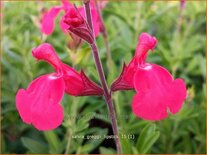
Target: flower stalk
{"x":99,"y":68}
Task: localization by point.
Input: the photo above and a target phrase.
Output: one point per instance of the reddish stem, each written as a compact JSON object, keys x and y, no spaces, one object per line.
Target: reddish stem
{"x":99,"y":68}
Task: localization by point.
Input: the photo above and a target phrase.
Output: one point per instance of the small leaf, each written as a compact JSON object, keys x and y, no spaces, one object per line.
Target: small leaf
{"x":126,"y":145}
{"x":147,"y":138}
{"x":135,"y":150}
{"x":80,"y":126}
{"x":135,"y":126}
{"x":34,"y":146}
{"x":83,"y":122}
{"x":54,"y":142}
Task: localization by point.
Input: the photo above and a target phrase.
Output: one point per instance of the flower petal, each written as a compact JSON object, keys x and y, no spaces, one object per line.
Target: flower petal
{"x":150,"y":76}
{"x":177,"y":95}
{"x":23,"y":106}
{"x":39,"y":104}
{"x":146,"y":42}
{"x":149,"y":106}
{"x":47,"y":53}
{"x":156,"y":92}
{"x":63,"y":25}
{"x":48,"y":19}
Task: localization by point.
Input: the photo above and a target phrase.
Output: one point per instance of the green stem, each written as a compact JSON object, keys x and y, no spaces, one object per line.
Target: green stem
{"x":70,"y":133}
{"x":73,"y":112}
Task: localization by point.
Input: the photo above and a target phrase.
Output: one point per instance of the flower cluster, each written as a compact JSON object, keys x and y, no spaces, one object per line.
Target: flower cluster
{"x":157,"y":93}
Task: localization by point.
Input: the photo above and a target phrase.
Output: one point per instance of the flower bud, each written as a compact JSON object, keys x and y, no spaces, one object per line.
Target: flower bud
{"x":77,"y":25}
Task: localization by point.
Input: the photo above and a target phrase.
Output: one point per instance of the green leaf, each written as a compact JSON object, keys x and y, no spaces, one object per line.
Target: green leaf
{"x":93,"y":107}
{"x":135,"y":126}
{"x":95,"y":137}
{"x":81,"y":127}
{"x":135,"y":150}
{"x":3,"y":146}
{"x":119,"y":17}
{"x":162,"y":12}
{"x":54,"y":143}
{"x":34,"y":146}
{"x":126,"y":145}
{"x":147,"y":138}
{"x":83,"y":122}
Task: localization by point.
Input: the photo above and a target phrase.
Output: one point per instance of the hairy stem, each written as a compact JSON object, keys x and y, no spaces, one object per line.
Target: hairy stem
{"x":99,"y":68}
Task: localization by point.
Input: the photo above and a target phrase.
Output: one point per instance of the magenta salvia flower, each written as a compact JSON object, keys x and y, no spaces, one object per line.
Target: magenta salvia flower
{"x":48,"y":19}
{"x":156,"y":90}
{"x":39,"y":104}
{"x":76,"y":84}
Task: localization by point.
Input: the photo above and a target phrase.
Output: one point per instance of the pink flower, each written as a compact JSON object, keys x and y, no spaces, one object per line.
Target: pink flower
{"x":76,"y":84}
{"x":39,"y":104}
{"x":156,"y":90}
{"x":182,"y":4}
{"x":49,"y":18}
{"x":77,"y":25}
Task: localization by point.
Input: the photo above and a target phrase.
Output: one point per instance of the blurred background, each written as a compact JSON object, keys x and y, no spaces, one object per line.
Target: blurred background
{"x":180,"y":28}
